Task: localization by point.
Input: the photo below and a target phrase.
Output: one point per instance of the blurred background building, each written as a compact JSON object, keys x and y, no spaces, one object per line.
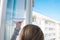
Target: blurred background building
{"x":49,"y":26}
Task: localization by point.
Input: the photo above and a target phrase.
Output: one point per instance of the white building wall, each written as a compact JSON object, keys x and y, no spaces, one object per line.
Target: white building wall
{"x":58,"y":31}
{"x":48,"y":26}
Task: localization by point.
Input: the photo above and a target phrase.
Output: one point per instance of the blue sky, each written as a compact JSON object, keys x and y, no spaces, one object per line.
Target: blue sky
{"x":50,"y":8}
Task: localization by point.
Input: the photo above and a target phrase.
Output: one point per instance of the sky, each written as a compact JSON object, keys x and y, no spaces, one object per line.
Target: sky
{"x":50,"y":8}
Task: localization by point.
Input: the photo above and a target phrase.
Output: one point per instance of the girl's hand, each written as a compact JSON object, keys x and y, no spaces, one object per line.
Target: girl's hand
{"x":18,"y":24}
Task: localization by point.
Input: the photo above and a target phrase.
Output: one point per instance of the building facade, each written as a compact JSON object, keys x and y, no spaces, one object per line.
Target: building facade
{"x":49,"y":26}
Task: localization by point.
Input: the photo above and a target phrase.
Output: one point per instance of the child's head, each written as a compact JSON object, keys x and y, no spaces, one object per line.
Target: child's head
{"x":31,"y":32}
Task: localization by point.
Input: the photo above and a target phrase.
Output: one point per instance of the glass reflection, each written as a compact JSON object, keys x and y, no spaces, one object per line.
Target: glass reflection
{"x":14,"y":8}
{"x":9,"y":25}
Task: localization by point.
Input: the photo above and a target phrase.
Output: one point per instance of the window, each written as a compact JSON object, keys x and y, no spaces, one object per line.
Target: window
{"x":53,"y":39}
{"x":51,"y":28}
{"x":9,"y":4}
{"x":11,"y":12}
{"x":50,"y":23}
{"x":25,"y":5}
{"x":46,"y":22}
{"x":33,"y":19}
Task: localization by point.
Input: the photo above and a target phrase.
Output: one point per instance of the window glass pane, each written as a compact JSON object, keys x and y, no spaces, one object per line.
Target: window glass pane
{"x":9,"y":4}
{"x":14,"y":5}
{"x":33,"y":19}
{"x":19,"y":12}
{"x":9,"y":26}
{"x":15,"y":9}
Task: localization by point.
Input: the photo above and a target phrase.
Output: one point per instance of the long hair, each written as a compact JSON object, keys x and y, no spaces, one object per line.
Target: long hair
{"x":31,"y":32}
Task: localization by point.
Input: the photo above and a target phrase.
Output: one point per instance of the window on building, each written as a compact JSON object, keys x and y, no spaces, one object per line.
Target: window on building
{"x":51,"y":28}
{"x":53,"y":39}
{"x":33,"y":19}
{"x":50,"y":23}
{"x":46,"y":22}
